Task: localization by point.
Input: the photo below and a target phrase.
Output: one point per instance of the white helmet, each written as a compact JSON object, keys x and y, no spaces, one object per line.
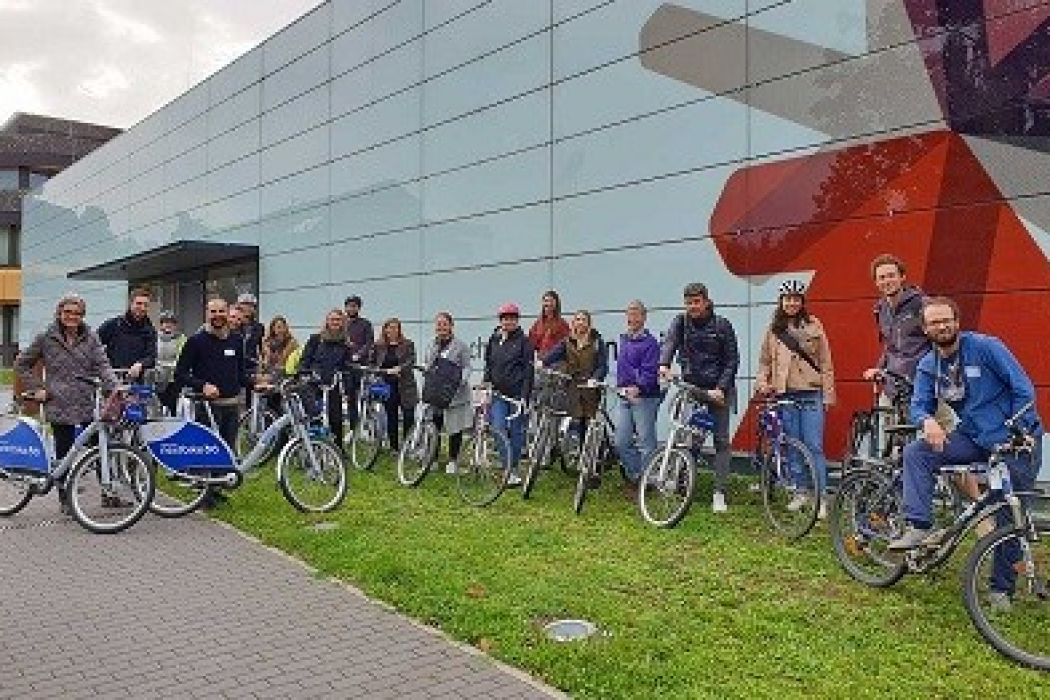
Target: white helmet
{"x":793,"y":288}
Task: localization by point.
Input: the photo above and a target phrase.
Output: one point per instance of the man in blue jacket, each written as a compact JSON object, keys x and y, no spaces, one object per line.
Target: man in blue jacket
{"x":985,"y":385}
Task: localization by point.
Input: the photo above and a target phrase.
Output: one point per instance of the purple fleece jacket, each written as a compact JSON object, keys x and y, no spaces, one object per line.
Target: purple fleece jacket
{"x":637,"y":363}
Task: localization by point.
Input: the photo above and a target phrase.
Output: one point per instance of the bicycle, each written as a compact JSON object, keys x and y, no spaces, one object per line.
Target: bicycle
{"x":310,"y":471}
{"x":597,"y":446}
{"x":420,"y":447}
{"x":483,"y":469}
{"x":787,"y":473}
{"x":108,"y":486}
{"x":549,"y":403}
{"x":668,"y":482}
{"x":867,"y":514}
{"x":875,"y":433}
{"x":369,"y":434}
{"x":255,"y":421}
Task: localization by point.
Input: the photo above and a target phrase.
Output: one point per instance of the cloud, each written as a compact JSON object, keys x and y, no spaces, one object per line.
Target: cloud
{"x":116,"y":61}
{"x":105,"y":81}
{"x":17,"y":90}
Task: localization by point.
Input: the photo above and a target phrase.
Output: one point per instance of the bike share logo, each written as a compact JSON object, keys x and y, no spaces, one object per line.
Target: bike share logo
{"x":176,"y":449}
{"x":20,"y":450}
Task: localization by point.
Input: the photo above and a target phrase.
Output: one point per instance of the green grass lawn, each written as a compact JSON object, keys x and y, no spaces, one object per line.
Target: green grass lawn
{"x":7,"y":376}
{"x":714,"y":608}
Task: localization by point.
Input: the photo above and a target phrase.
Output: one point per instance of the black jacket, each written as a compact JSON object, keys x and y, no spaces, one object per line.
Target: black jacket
{"x":209,"y":359}
{"x":508,"y":364}
{"x":325,"y":357}
{"x":252,"y":335}
{"x":128,"y":340}
{"x":706,"y":349}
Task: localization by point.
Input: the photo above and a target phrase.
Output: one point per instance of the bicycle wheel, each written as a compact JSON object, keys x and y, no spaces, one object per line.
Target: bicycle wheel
{"x":14,"y":493}
{"x":865,"y":516}
{"x":481,"y":475}
{"x":364,"y":450}
{"x":788,"y":482}
{"x":249,"y":428}
{"x":540,"y":456}
{"x":312,"y":488}
{"x":588,"y":465}
{"x":176,"y":495}
{"x":113,"y":507}
{"x":417,"y":454}
{"x":1017,"y":625}
{"x":666,"y":490}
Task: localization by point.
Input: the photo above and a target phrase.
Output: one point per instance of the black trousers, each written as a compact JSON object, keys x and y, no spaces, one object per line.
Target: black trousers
{"x":393,"y":408}
{"x":226,"y":419}
{"x":455,"y":440}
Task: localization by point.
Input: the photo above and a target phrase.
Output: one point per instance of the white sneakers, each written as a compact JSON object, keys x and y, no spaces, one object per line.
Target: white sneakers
{"x":718,"y":503}
{"x":450,"y":468}
{"x":513,"y":480}
{"x":799,"y":501}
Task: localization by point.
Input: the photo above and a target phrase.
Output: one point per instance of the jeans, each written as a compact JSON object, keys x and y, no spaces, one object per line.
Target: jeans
{"x":513,"y":429}
{"x":807,"y":425}
{"x":636,"y":417}
{"x":921,"y":464}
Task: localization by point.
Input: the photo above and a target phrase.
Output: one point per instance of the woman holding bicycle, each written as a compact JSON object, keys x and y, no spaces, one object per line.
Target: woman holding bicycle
{"x":584,"y":356}
{"x":508,"y":368}
{"x":795,"y":364}
{"x":326,"y":353}
{"x":459,"y":415}
{"x":396,"y":354}
{"x":68,"y":348}
{"x":277,"y":345}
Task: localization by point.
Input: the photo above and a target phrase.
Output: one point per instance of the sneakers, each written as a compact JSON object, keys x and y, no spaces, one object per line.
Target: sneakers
{"x":799,"y":501}
{"x":912,"y":538}
{"x":513,"y":480}
{"x":718,"y":503}
{"x":822,"y":511}
{"x":999,"y":601}
{"x":450,"y":468}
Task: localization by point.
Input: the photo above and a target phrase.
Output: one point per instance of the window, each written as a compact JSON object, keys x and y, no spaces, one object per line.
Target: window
{"x":37,"y":180}
{"x":9,"y":180}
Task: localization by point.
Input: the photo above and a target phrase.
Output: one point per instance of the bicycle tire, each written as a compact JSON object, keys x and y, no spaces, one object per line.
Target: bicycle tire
{"x":417,"y":455}
{"x":247,"y":438}
{"x":672,"y":487}
{"x":481,"y":476}
{"x":541,"y":450}
{"x":1020,"y":632}
{"x":587,"y":465}
{"x":788,"y":483}
{"x":133,"y":488}
{"x":175,"y":494}
{"x":15,"y":494}
{"x":863,"y":518}
{"x":312,"y":489}
{"x":364,"y":449}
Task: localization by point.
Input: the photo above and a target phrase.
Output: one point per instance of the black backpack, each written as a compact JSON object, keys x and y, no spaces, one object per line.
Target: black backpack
{"x":441,"y":382}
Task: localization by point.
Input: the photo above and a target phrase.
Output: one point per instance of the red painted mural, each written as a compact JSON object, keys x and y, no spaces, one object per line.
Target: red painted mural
{"x":925,"y":197}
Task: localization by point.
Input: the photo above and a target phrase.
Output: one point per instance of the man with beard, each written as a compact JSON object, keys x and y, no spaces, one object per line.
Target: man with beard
{"x":985,"y":384}
{"x":360,"y":339}
{"x":212,"y":363}
{"x":130,"y":339}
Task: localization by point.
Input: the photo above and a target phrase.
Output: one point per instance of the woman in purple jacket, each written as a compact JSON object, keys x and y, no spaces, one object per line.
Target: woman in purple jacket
{"x":637,"y":367}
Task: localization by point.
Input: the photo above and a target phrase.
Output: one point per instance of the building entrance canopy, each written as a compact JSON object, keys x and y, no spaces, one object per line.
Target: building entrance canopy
{"x":178,"y":261}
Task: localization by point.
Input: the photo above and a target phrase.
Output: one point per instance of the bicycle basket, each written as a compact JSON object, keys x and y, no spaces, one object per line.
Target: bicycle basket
{"x":136,"y":403}
{"x":552,"y":393}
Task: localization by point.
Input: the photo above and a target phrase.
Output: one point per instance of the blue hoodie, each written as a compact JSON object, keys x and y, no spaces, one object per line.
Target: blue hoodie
{"x":996,"y":388}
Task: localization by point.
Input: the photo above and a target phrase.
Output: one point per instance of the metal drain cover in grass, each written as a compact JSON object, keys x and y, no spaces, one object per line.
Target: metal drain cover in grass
{"x":326,"y":526}
{"x":570,"y":630}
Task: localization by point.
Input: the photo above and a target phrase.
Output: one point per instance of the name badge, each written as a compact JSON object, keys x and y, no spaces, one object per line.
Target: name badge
{"x":973,"y":371}
{"x":229,"y":352}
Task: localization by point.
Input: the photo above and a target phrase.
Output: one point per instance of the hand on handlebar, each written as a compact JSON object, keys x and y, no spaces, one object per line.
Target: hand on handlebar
{"x":210,"y":391}
{"x":39,"y":396}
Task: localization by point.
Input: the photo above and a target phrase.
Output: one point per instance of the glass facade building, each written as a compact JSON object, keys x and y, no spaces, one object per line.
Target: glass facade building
{"x":452,"y":154}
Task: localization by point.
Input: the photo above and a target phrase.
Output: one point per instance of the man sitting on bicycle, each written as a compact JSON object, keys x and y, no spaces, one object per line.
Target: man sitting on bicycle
{"x":985,"y":384}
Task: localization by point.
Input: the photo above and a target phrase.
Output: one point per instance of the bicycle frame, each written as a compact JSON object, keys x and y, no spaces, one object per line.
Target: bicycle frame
{"x":682,"y":435}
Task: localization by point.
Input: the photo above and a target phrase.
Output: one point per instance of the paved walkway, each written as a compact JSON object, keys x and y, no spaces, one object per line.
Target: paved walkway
{"x":189,"y":608}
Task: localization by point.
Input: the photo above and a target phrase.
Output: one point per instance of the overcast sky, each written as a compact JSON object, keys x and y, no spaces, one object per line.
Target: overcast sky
{"x":115,"y":61}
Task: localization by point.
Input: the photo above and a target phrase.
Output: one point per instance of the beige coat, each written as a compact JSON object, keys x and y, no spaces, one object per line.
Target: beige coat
{"x":783,"y":370}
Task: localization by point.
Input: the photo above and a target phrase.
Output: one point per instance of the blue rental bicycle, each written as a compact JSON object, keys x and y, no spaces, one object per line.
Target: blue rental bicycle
{"x":106,"y":485}
{"x":194,"y":459}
